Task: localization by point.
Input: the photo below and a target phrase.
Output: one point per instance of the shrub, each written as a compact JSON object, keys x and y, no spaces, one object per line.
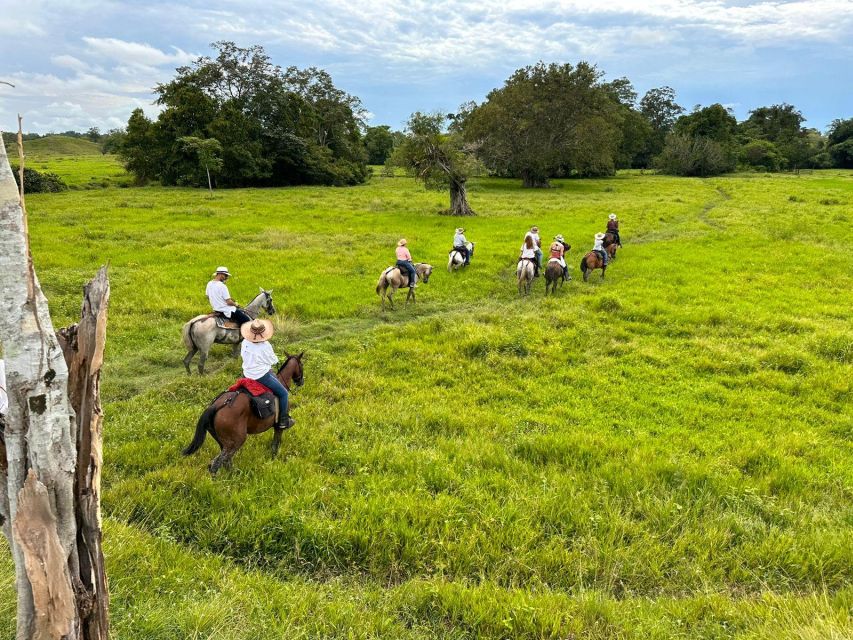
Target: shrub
{"x":693,"y":156}
{"x":40,"y":181}
{"x":762,"y":154}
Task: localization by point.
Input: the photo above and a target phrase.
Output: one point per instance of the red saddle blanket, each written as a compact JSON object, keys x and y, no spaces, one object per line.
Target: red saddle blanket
{"x":252,"y":386}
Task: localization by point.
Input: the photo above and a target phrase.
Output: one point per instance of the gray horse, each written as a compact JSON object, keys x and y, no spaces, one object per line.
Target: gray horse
{"x":202,"y":331}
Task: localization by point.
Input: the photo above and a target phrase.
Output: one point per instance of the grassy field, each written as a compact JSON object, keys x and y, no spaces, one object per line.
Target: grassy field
{"x":665,"y":454}
{"x":79,"y":162}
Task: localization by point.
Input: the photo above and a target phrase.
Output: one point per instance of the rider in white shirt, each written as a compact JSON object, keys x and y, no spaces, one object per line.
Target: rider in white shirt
{"x":258,"y":360}
{"x":221,"y":300}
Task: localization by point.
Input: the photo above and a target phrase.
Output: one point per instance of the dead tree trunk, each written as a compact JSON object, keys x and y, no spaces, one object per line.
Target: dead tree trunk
{"x":38,"y":501}
{"x":459,"y":199}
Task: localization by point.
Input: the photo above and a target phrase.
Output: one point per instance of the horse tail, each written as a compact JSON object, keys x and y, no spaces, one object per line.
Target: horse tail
{"x":205,"y":424}
{"x":583,"y":264}
{"x":382,"y":284}
{"x":187,"y":335}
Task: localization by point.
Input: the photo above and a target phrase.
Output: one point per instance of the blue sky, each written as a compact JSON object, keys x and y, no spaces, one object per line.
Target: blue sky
{"x":85,"y":63}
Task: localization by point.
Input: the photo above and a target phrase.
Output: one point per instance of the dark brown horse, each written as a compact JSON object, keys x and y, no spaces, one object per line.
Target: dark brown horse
{"x":610,"y":244}
{"x":590,"y":262}
{"x":229,"y":418}
{"x":553,"y":276}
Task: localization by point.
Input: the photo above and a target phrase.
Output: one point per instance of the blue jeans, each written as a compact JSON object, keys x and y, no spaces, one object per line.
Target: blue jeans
{"x":240,"y":317}
{"x":271,"y":382}
{"x":408,"y":266}
{"x":539,"y":258}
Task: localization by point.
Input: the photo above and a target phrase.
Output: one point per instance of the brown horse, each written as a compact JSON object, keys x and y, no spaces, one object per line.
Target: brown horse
{"x":393,"y":278}
{"x":553,"y":276}
{"x":590,"y":262}
{"x":229,"y":418}
{"x":610,"y":244}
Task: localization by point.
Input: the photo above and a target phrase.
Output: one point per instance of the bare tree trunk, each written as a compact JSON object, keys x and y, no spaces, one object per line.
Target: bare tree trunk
{"x":83,"y":347}
{"x":41,"y":441}
{"x":459,"y":199}
{"x":209,"y":183}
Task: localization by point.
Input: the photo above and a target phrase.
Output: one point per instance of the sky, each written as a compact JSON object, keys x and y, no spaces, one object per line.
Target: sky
{"x":85,"y":63}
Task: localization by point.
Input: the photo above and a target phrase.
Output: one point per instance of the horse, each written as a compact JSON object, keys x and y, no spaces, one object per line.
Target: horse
{"x":525,"y":272}
{"x":202,"y":331}
{"x":229,"y":418}
{"x":393,"y":278}
{"x":455,"y":259}
{"x":590,"y":262}
{"x":553,"y":276}
{"x":610,"y":245}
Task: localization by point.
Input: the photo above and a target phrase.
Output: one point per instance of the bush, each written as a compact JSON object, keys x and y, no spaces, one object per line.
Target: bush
{"x":762,"y":154}
{"x":40,"y":181}
{"x":693,"y":156}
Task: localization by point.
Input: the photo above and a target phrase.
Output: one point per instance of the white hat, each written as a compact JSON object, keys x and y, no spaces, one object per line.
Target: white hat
{"x":599,"y":236}
{"x":257,"y":330}
{"x":222,"y":270}
{"x":558,"y":237}
{"x":460,"y":230}
{"x":612,"y":216}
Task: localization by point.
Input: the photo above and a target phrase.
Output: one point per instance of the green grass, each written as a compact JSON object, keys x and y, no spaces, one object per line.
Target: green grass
{"x":79,"y":162}
{"x":663,"y":454}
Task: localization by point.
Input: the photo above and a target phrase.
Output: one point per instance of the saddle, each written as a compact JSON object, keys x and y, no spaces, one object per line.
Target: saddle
{"x":263,"y":401}
{"x":601,"y":254}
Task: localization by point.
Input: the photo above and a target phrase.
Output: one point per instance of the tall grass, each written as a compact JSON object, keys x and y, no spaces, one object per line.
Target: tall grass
{"x":663,"y":454}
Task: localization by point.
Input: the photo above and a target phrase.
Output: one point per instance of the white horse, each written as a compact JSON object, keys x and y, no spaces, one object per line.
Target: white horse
{"x":203,"y":331}
{"x":393,"y":278}
{"x":455,"y":259}
{"x":525,"y":272}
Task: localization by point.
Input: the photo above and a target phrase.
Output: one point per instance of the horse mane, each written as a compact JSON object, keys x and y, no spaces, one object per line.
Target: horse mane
{"x":284,"y":364}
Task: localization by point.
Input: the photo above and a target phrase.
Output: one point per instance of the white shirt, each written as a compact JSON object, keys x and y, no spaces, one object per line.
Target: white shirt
{"x":459,"y":240}
{"x":528,"y":253}
{"x":4,"y":398}
{"x":599,"y":245}
{"x":258,"y":358}
{"x":217,"y":293}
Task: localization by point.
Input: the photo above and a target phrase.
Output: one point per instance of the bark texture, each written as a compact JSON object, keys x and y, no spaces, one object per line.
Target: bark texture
{"x":50,"y":497}
{"x":459,"y":199}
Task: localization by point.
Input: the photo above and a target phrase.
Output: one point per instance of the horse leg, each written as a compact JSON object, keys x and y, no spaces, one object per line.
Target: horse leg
{"x":603,"y":269}
{"x":202,"y":358}
{"x":188,"y":358}
{"x":276,"y":441}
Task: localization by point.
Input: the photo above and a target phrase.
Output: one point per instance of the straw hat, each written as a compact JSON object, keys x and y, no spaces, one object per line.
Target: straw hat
{"x":612,"y":216}
{"x":257,"y":330}
{"x":402,"y":242}
{"x":599,"y":236}
{"x":222,"y":270}
{"x":558,"y":237}
{"x":460,"y":230}
{"x":534,"y":229}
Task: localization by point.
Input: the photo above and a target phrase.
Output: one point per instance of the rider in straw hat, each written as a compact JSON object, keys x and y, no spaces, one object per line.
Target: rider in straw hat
{"x":613,"y":227}
{"x":557,"y":251}
{"x":258,"y":360}
{"x":599,"y":247}
{"x":404,"y":261}
{"x":221,"y":300}
{"x":460,"y":244}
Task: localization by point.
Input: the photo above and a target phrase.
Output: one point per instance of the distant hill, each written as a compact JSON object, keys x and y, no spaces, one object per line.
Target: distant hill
{"x":55,"y":146}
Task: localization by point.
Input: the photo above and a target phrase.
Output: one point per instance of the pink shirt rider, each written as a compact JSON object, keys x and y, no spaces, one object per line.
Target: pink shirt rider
{"x":403,"y":254}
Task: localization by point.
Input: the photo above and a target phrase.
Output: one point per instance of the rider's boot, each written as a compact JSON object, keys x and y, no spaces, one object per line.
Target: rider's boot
{"x":285,"y":422}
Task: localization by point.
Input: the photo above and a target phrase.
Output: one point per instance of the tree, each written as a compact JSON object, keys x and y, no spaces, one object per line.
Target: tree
{"x":840,"y":143}
{"x":781,"y":125}
{"x":437,"y":158}
{"x":111,"y":141}
{"x":208,"y":152}
{"x":379,"y":143}
{"x":635,"y":129}
{"x":661,"y":111}
{"x":762,"y":154}
{"x":139,"y":151}
{"x":51,"y":446}
{"x":94,"y":134}
{"x":547,"y":121}
{"x":684,"y":155}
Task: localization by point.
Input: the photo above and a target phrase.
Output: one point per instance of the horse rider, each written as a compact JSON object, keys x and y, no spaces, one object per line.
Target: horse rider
{"x":221,"y":301}
{"x":599,"y":248}
{"x":528,"y":252}
{"x":258,"y":360}
{"x":613,"y":227}
{"x":460,"y":244}
{"x":404,"y":261}
{"x":558,"y":250}
{"x":537,"y":241}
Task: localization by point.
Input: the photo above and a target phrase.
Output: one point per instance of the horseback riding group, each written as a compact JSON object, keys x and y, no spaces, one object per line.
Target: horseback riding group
{"x":260,"y":399}
{"x":557,"y":270}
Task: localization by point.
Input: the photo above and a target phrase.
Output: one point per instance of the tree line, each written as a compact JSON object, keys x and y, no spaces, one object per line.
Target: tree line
{"x":236,"y":119}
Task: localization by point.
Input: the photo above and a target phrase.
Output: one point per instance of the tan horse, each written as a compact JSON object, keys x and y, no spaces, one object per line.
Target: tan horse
{"x":392,"y":279}
{"x":525,"y":272}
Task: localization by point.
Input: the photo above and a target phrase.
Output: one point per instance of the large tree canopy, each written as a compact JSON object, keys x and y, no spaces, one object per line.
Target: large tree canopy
{"x":276,"y":126}
{"x":547,"y":121}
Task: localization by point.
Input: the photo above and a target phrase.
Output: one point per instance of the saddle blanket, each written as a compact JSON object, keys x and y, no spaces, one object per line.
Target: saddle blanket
{"x":252,"y":386}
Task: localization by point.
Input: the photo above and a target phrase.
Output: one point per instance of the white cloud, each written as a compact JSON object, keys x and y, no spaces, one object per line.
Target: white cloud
{"x":135,"y":52}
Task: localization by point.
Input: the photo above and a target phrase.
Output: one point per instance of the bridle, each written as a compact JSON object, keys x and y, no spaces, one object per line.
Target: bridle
{"x":298,"y":379}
